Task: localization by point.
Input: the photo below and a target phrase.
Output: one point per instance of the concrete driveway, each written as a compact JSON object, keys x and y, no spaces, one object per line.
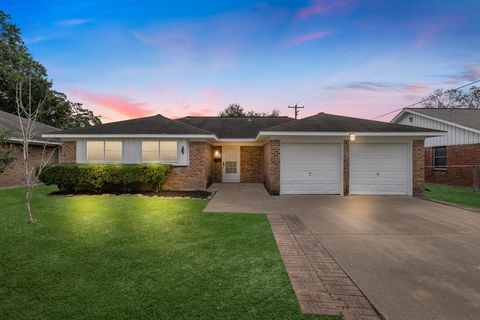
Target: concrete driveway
{"x":413,"y":259}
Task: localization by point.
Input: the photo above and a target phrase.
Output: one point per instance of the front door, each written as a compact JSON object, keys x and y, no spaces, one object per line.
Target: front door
{"x":231,"y":164}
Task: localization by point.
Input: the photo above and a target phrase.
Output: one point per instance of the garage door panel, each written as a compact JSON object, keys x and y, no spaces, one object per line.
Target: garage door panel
{"x":310,"y":169}
{"x":379,"y":169}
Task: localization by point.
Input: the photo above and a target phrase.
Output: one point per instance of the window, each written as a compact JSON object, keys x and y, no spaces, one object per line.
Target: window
{"x":104,"y":151}
{"x":168,"y":151}
{"x":159,"y":151}
{"x":410,"y":119}
{"x":150,"y":151}
{"x":439,"y":157}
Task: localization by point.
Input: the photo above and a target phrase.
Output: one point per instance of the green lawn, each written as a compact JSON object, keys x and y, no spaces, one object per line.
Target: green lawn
{"x":128,"y":257}
{"x":464,"y":196}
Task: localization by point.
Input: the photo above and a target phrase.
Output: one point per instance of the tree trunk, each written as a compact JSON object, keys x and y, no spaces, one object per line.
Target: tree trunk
{"x":28,"y":209}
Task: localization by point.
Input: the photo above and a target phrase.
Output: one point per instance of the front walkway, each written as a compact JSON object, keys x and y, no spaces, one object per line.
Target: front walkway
{"x":240,"y":197}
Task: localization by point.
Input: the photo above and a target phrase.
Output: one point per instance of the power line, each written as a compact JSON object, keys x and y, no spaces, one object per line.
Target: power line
{"x":426,"y":99}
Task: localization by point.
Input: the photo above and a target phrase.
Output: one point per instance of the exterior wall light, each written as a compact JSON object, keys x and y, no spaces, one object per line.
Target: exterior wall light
{"x":217,"y":154}
{"x":352,"y":136}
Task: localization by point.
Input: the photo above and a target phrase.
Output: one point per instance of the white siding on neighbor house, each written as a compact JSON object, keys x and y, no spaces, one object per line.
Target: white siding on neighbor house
{"x":454,"y":136}
{"x":132,"y":151}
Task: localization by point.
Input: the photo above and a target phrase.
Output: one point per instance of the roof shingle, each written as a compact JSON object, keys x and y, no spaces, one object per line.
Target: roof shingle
{"x":10,"y":122}
{"x":157,"y":124}
{"x":324,"y":122}
{"x":463,"y":116}
{"x":235,"y":127}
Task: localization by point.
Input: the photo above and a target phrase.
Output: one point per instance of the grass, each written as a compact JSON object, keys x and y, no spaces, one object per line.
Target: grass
{"x":128,"y":257}
{"x":464,"y":196}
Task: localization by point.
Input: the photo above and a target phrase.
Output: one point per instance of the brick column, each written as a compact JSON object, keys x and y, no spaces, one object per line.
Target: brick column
{"x":418,"y":166}
{"x":271,"y":161}
{"x":251,"y":164}
{"x":346,"y":167}
{"x":69,"y":152}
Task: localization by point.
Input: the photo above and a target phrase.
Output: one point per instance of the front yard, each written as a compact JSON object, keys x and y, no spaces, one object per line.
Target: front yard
{"x":129,"y":257}
{"x":463,"y":196}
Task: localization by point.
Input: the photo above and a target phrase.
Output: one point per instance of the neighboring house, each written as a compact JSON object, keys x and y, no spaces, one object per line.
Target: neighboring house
{"x":321,"y":154}
{"x":13,"y":176}
{"x":452,"y":158}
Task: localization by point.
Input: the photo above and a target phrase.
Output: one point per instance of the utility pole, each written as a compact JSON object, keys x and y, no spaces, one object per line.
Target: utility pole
{"x":296,"y":107}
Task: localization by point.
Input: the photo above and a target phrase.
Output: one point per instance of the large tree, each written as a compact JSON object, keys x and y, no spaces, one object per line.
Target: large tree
{"x":235,"y":110}
{"x":17,"y":65}
{"x":453,"y":98}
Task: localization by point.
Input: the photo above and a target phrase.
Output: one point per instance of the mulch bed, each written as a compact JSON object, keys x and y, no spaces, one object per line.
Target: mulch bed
{"x":164,"y":194}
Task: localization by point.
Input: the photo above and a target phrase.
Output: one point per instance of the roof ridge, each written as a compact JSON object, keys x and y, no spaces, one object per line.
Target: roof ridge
{"x":241,"y":117}
{"x":189,"y":125}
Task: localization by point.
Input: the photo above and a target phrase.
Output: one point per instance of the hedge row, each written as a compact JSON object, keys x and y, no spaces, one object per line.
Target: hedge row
{"x":97,"y":177}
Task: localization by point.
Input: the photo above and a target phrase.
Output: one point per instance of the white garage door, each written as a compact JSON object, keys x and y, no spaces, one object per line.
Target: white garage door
{"x":379,"y":169}
{"x":310,"y":169}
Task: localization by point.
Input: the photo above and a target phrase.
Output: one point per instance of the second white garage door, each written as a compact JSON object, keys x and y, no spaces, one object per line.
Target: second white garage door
{"x":379,"y":169}
{"x":310,"y":169}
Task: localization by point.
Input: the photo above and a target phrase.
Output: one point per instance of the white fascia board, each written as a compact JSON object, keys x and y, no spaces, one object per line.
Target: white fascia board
{"x":17,"y":140}
{"x":346,"y":134}
{"x":399,"y":116}
{"x":441,"y":120}
{"x":237,"y":140}
{"x":123,"y":136}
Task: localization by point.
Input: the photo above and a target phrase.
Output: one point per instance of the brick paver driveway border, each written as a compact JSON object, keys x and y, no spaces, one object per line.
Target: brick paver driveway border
{"x":320,"y":284}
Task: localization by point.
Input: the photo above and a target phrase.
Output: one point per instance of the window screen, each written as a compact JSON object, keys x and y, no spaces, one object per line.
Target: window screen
{"x":440,"y":157}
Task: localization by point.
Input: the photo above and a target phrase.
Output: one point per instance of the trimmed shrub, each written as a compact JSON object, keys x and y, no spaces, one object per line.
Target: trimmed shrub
{"x":99,"y":177}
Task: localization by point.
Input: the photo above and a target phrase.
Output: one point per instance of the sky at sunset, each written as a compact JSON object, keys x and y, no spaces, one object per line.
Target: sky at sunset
{"x":126,"y":59}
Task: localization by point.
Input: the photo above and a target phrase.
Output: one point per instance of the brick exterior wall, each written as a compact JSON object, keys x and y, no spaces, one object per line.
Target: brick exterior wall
{"x":461,"y":160}
{"x":251,"y":164}
{"x":418,"y":166}
{"x":271,"y":166}
{"x":13,"y":176}
{"x":346,"y":167}
{"x":69,"y":152}
{"x":198,"y":174}
{"x":217,"y":165}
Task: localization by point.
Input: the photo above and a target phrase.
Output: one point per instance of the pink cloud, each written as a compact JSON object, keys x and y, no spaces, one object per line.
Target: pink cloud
{"x":472,"y":73}
{"x":366,"y":104}
{"x":212,"y":95}
{"x":117,"y":103}
{"x":307,"y":38}
{"x":320,"y":7}
{"x":203,"y":111}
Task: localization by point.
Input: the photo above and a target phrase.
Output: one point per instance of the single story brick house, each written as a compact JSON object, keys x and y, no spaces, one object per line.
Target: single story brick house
{"x":13,"y":176}
{"x":321,"y":154}
{"x":451,"y":158}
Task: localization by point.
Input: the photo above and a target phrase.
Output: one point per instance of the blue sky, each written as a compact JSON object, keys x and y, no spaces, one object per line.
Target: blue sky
{"x":127,"y":59}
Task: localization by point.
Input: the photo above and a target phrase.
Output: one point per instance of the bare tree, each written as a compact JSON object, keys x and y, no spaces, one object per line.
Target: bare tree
{"x":27,"y":117}
{"x":454,"y":98}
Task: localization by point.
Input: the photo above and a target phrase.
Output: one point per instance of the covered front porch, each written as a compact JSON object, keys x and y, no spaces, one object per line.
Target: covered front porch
{"x":238,"y":163}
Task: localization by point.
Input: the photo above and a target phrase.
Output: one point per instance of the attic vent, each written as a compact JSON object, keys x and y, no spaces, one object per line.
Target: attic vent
{"x":410,"y":119}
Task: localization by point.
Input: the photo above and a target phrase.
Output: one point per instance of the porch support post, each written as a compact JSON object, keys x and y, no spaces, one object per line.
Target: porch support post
{"x":346,"y":167}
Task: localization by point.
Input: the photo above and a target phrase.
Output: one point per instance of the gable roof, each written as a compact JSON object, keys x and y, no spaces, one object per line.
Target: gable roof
{"x":11,"y":123}
{"x":324,"y":122}
{"x":153,"y":125}
{"x":246,"y":128}
{"x":234,"y":127}
{"x":462,"y":116}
